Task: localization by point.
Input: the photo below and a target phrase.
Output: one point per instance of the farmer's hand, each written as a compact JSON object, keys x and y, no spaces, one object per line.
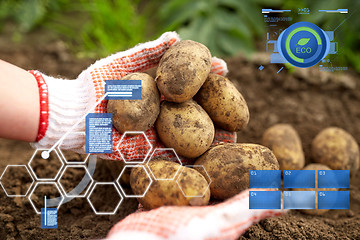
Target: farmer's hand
{"x":226,"y":220}
{"x":64,"y":102}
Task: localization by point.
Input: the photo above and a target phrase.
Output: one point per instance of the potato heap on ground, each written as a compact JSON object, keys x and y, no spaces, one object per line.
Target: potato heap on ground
{"x":196,"y":101}
{"x":332,"y":149}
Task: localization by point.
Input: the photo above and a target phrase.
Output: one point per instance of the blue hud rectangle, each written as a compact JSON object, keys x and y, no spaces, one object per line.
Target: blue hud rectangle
{"x":265,"y":200}
{"x":333,"y":200}
{"x":49,"y":218}
{"x":333,"y":178}
{"x":299,"y":178}
{"x":264,"y":178}
{"x":299,"y":199}
{"x":123,"y":89}
{"x":98,"y":135}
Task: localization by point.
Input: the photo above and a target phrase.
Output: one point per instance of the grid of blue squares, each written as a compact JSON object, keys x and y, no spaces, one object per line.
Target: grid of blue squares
{"x":292,"y":179}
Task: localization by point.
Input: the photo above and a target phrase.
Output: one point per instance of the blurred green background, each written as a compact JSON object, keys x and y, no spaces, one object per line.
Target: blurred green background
{"x":96,"y":28}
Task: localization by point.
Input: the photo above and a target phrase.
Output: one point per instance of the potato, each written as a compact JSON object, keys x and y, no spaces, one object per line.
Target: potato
{"x":337,"y":149}
{"x":182,"y":70}
{"x":224,"y":103}
{"x":316,"y":167}
{"x":228,"y":166}
{"x":136,"y":115}
{"x":286,"y":145}
{"x":167,"y":192}
{"x":186,"y":127}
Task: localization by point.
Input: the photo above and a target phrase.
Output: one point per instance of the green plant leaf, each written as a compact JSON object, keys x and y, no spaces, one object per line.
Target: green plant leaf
{"x":303,"y":41}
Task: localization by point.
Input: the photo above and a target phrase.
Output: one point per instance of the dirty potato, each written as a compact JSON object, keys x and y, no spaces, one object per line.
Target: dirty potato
{"x":316,"y":167}
{"x":186,"y":127}
{"x":336,"y":148}
{"x":224,"y":103}
{"x":228,"y":166}
{"x":195,"y":191}
{"x":136,"y":115}
{"x":286,"y":145}
{"x":182,"y":70}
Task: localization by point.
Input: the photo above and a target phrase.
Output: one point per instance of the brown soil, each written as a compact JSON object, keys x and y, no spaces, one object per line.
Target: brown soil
{"x":308,"y":100}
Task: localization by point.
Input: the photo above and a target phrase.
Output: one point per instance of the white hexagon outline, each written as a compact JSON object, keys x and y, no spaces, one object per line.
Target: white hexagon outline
{"x":32,"y":183}
{"x":63,"y":156}
{"x":92,"y":206}
{"x":88,"y":187}
{"x":134,"y":196}
{"x":45,"y":179}
{"x":195,"y":170}
{"x":164,"y":149}
{"x":147,"y":154}
{"x":33,"y":190}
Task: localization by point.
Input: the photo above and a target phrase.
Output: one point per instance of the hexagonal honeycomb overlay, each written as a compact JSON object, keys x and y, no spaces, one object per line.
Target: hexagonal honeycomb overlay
{"x":48,"y":189}
{"x":45,"y":169}
{"x":73,"y":176}
{"x":142,"y":147}
{"x":104,"y":198}
{"x":125,"y":175}
{"x":16,"y":180}
{"x":165,"y":154}
{"x":187,"y":186}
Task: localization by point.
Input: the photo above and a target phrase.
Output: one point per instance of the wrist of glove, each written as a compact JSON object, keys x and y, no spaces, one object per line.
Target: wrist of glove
{"x":62,"y":104}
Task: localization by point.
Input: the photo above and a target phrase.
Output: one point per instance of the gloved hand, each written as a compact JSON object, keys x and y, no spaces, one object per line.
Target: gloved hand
{"x":64,"y":102}
{"x":226,"y":220}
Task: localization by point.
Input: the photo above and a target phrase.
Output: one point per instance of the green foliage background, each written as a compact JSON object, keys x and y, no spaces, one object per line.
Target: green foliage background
{"x":95,"y":28}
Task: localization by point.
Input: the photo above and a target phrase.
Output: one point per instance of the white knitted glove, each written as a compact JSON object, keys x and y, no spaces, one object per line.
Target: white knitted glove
{"x":65,"y":102}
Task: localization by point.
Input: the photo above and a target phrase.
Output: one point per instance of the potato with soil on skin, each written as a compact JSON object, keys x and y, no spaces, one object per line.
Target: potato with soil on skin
{"x":136,"y":115}
{"x":285,"y":143}
{"x":337,"y":149}
{"x":316,"y":167}
{"x":224,"y":103}
{"x":228,"y":166}
{"x":167,"y":192}
{"x":182,"y":70}
{"x":186,"y":127}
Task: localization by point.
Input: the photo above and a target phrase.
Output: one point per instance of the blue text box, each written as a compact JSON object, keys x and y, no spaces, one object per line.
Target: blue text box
{"x":265,"y":200}
{"x":98,"y":133}
{"x":49,"y":218}
{"x":123,"y":89}
{"x":299,"y":199}
{"x":299,"y":178}
{"x":333,"y":200}
{"x":333,"y":178}
{"x":264,"y":178}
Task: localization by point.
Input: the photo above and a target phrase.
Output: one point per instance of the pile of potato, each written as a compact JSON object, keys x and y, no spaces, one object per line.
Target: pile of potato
{"x":332,"y":149}
{"x":182,"y":123}
{"x":197,"y":101}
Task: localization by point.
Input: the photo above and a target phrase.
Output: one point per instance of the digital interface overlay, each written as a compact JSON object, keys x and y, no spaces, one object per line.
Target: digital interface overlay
{"x":303,"y":189}
{"x":302,"y":43}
